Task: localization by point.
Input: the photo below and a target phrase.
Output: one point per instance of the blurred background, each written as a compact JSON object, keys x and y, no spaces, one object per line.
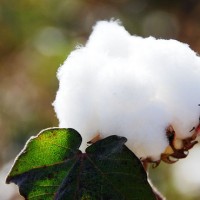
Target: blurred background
{"x":35,"y":39}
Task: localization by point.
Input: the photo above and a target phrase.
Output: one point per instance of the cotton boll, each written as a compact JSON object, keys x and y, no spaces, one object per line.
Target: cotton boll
{"x":174,"y":69}
{"x":125,"y":110}
{"x":150,"y":132}
{"x":111,"y":38}
{"x":129,"y":86}
{"x":75,"y":100}
{"x":178,"y":80}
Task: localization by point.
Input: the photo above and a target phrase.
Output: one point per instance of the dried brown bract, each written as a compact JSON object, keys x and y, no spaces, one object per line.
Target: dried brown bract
{"x":177,"y":149}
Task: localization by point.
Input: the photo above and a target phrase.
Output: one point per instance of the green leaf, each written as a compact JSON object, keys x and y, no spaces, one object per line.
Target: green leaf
{"x":52,"y":167}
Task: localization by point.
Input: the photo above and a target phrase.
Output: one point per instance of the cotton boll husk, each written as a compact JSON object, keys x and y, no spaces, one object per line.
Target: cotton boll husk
{"x":129,"y":86}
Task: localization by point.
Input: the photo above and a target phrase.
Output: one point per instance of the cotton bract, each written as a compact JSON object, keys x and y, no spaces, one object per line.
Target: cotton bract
{"x":121,"y":84}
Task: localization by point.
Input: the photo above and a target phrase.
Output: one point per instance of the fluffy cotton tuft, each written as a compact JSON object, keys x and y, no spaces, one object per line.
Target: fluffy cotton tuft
{"x":129,"y":86}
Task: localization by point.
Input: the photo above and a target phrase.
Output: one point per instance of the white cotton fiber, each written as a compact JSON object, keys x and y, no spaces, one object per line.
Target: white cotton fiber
{"x":129,"y":86}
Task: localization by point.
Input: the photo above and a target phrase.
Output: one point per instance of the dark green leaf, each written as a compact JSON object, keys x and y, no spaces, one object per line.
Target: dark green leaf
{"x":45,"y":161}
{"x":52,"y":167}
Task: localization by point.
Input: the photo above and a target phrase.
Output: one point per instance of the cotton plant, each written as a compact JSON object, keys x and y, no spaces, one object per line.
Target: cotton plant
{"x":123,"y":101}
{"x":144,"y":89}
